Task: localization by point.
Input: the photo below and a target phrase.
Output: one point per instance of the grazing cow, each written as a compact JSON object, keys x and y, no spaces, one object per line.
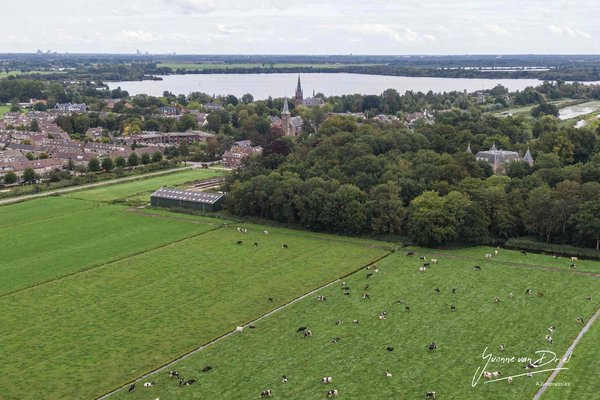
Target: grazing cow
{"x":509,"y":380}
{"x":510,"y":295}
{"x":423,"y":258}
{"x":476,"y":268}
{"x":452,"y":307}
{"x":389,"y":348}
{"x":245,"y":230}
{"x":422,"y":269}
{"x":573,"y":258}
{"x":239,"y":229}
{"x":366,"y":296}
{"x":308,"y":333}
{"x":343,"y":284}
{"x":496,"y":374}
{"x":549,"y":339}
{"x":366,"y":287}
{"x":252,"y":327}
{"x":501,"y":348}
{"x":488,"y":255}
{"x":265,"y":232}
{"x":332,"y":393}
{"x":346,"y":288}
{"x":239,"y":329}
{"x":400,"y":301}
{"x":326,"y":380}
{"x":540,"y":294}
{"x":430,"y":395}
{"x":551,"y":329}
{"x":388,"y":374}
{"x":410,"y":253}
{"x":240,"y":241}
{"x":321,"y":298}
{"x":407,"y":308}
{"x":580,"y":320}
{"x":530,"y":366}
{"x":186,"y":383}
{"x":432,"y":346}
{"x":523,"y":252}
{"x":434,"y":261}
{"x":437,"y":290}
{"x":148,"y":384}
{"x":301,"y":329}
{"x":529,"y":374}
{"x":339,"y":321}
{"x":376,"y":270}
{"x":270,"y":299}
{"x":495,"y":252}
{"x":173,"y":374}
{"x":255,"y":244}
{"x":529,"y":292}
{"x":347,"y":293}
{"x":382,"y":317}
{"x":284,"y":379}
{"x":355,"y":322}
{"x":453,"y":290}
{"x":573,"y":266}
{"x":335,"y":340}
{"x":496,"y":300}
{"x":487,"y":375}
{"x":588,"y":298}
{"x":370,"y":274}
{"x":284,"y":246}
{"x":266,"y":393}
{"x":425,"y":265}
{"x":131,"y":388}
{"x":207,"y":368}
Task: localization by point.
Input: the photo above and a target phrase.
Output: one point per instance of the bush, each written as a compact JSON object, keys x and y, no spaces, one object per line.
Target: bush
{"x":565,"y":250}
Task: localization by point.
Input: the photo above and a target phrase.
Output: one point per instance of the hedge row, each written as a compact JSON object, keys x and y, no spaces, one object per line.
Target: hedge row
{"x":559,"y":249}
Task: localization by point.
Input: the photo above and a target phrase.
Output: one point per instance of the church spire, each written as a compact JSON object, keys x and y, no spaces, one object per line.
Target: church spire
{"x":299,"y":94}
{"x":527,"y":158}
{"x":286,"y":109}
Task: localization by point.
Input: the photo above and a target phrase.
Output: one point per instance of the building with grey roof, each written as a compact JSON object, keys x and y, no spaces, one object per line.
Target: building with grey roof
{"x":497,"y":158}
{"x":175,"y":198}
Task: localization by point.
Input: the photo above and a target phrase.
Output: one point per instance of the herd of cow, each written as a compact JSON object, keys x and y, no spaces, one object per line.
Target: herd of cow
{"x":307,"y":333}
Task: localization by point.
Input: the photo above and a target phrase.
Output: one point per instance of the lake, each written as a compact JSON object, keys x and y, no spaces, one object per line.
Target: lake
{"x":579,"y":110}
{"x":261,"y":86}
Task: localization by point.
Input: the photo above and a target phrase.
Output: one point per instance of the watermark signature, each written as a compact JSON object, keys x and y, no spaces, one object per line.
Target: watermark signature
{"x":545,"y":359}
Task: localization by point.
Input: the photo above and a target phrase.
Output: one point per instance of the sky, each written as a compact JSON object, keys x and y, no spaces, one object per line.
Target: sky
{"x":385,"y":27}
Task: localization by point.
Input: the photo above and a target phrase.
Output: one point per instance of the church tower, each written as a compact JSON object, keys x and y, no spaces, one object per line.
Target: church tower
{"x":285,"y":118}
{"x":299,"y":94}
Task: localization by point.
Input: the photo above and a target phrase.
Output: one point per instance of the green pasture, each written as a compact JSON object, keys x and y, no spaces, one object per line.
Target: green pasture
{"x":514,"y":259}
{"x":255,"y":359}
{"x":582,"y":375}
{"x":64,"y":243}
{"x":85,"y":334}
{"x":4,"y":109}
{"x":40,"y":209}
{"x":139,"y":191}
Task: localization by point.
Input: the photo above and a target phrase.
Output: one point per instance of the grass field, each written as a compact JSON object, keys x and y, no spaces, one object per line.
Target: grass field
{"x":4,"y":109}
{"x":247,"y":363}
{"x":582,"y":375}
{"x":208,"y":66}
{"x":137,"y":192}
{"x":60,"y":244}
{"x":90,"y":332}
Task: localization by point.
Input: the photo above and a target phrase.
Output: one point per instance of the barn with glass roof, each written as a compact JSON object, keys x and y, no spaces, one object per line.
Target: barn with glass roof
{"x":176,"y":198}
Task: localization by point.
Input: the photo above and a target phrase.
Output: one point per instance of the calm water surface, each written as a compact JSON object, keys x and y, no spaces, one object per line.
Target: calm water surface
{"x":262,"y":86}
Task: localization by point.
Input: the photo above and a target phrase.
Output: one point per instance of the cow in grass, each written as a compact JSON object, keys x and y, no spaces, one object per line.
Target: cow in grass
{"x":266,"y":393}
{"x":332,"y":393}
{"x":326,"y":380}
{"x":430,"y":395}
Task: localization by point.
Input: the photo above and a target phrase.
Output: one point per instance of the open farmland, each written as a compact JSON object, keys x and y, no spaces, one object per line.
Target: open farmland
{"x":84,"y":334}
{"x":65,"y":243}
{"x":254,"y":360}
{"x":139,"y":191}
{"x":219,"y":67}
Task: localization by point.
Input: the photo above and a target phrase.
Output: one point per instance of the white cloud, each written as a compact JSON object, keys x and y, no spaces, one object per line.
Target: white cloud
{"x":227,"y":30}
{"x":405,"y":35}
{"x":497,"y":29}
{"x":194,"y":6}
{"x":134,"y":37}
{"x":568,"y":31}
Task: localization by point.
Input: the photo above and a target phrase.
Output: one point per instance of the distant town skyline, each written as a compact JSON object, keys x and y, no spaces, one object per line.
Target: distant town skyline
{"x":383,"y":27}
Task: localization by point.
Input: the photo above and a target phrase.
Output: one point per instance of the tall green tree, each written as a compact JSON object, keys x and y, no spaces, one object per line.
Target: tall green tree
{"x":10,"y":178}
{"x":543,"y":216}
{"x":587,"y":220}
{"x":107,"y":164}
{"x":429,"y":222}
{"x":133,"y":160}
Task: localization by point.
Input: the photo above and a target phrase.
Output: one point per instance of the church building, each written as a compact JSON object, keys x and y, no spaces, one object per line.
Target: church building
{"x":308,"y":102}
